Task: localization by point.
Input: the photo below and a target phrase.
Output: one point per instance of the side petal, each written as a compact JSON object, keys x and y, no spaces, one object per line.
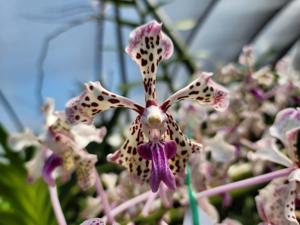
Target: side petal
{"x":93,"y":100}
{"x":184,"y":146}
{"x":19,"y":141}
{"x":221,"y":150}
{"x":267,"y":150}
{"x":49,"y":112}
{"x":148,"y":46}
{"x":285,"y":120}
{"x":34,"y":167}
{"x":128,"y":157}
{"x":204,"y":90}
{"x":84,"y":134}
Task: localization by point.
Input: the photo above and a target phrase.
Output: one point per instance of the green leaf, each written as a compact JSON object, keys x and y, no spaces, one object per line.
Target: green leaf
{"x":21,"y":203}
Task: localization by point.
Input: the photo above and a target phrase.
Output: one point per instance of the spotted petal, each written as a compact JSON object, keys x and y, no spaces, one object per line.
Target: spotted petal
{"x":128,"y":156}
{"x":93,"y":100}
{"x":74,"y":158}
{"x":148,"y":46}
{"x":85,"y":170}
{"x":271,"y":203}
{"x":185,"y":146}
{"x":289,"y":209}
{"x":285,"y":120}
{"x":293,"y":137}
{"x":94,"y":221}
{"x":204,"y":90}
{"x":268,"y":150}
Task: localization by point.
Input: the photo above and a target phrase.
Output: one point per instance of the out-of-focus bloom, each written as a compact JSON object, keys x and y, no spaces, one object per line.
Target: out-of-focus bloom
{"x":92,"y":207}
{"x":94,"y":221}
{"x":62,"y":146}
{"x":229,"y":221}
{"x":221,"y":151}
{"x":156,"y":149}
{"x":286,"y":72}
{"x":278,"y":198}
{"x":264,"y":76}
{"x":19,"y":141}
{"x":247,"y":57}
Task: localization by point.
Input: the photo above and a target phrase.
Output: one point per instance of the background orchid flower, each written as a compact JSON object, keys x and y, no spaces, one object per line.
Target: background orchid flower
{"x":281,"y":194}
{"x":156,"y":150}
{"x":60,"y":145}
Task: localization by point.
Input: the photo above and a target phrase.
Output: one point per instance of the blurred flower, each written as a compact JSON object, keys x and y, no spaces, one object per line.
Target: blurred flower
{"x":286,"y":72}
{"x":264,"y":76}
{"x":19,"y":141}
{"x":62,"y":145}
{"x":247,"y":57}
{"x":280,"y":195}
{"x":156,"y":149}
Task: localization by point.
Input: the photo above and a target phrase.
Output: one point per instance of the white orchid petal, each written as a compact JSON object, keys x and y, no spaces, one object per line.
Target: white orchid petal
{"x":285,"y":120}
{"x":203,"y":217}
{"x":267,"y":150}
{"x":84,"y":134}
{"x":19,"y":141}
{"x":35,"y":166}
{"x":49,"y":112}
{"x":221,"y":150}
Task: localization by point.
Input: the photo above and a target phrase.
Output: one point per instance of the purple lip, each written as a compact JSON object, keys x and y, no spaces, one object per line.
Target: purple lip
{"x":51,"y":163}
{"x":159,"y":153}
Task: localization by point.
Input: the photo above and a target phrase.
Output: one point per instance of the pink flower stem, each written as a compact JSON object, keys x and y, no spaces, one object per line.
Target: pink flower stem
{"x":56,"y":206}
{"x":163,"y":193}
{"x":244,"y":183}
{"x":101,"y":193}
{"x":130,"y":203}
{"x":151,"y":198}
{"x":214,"y":191}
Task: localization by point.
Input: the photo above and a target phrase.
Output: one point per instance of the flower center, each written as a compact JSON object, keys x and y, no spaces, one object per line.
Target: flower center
{"x":154,"y":122}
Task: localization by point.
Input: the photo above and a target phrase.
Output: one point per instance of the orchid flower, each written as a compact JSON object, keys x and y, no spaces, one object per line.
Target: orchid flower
{"x":280,"y":195}
{"x":156,"y":149}
{"x":60,"y":145}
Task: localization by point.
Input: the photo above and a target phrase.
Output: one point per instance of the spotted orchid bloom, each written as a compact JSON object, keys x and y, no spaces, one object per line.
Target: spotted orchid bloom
{"x":67,"y":144}
{"x":60,"y":147}
{"x":156,"y":149}
{"x":276,"y":202}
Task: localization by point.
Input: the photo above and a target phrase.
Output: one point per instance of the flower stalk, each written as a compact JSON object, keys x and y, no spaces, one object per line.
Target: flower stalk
{"x":104,"y":200}
{"x":56,"y":206}
{"x":213,"y":191}
{"x":244,"y":183}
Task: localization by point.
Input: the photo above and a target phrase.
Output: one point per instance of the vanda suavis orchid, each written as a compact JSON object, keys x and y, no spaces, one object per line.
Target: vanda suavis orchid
{"x":61,"y":147}
{"x":156,"y":149}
